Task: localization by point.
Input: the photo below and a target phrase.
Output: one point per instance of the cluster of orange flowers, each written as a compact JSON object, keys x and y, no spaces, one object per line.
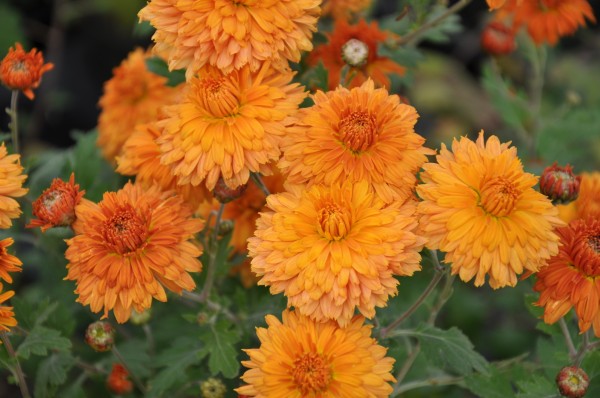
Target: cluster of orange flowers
{"x":545,"y":21}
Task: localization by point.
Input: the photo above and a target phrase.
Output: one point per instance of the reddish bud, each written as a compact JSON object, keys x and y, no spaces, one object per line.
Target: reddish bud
{"x":225,"y":194}
{"x":56,"y":205}
{"x":21,"y":70}
{"x":572,"y":382}
{"x":559,"y":184}
{"x":117,"y":381}
{"x":100,"y":336}
{"x":498,"y":39}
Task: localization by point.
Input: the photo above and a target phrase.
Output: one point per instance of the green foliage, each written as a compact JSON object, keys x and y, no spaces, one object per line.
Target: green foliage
{"x":316,"y":78}
{"x":40,"y":340}
{"x":159,"y":66}
{"x":537,"y":387}
{"x":10,"y":29}
{"x":219,"y":342}
{"x":51,"y":373}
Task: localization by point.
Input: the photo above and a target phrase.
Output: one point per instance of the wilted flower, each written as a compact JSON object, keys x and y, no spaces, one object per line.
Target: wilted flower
{"x":23,"y":71}
{"x":56,"y":205}
{"x":303,"y":358}
{"x":479,"y":207}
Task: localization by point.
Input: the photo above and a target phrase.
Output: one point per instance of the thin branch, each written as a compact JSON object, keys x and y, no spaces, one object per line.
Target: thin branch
{"x":410,"y":360}
{"x":412,"y":36}
{"x":134,"y":377}
{"x":565,"y":331}
{"x":212,"y":257}
{"x":434,"y":381}
{"x":197,"y":298}
{"x":260,"y":183}
{"x":14,"y":123}
{"x":18,"y":369}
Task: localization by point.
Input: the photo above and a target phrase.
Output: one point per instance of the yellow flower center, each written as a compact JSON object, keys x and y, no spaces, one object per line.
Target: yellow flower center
{"x":358,"y":131}
{"x":125,"y":231}
{"x":498,"y":196}
{"x":216,"y":98}
{"x":311,"y":373}
{"x":333,"y":222}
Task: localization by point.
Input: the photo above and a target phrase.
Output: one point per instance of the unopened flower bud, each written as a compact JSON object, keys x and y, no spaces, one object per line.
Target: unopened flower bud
{"x":118,"y":381}
{"x":140,"y":318}
{"x":559,"y":184}
{"x":213,"y":388}
{"x":100,"y":336}
{"x":355,"y":52}
{"x":225,"y":194}
{"x":572,"y":382}
{"x":498,"y":38}
{"x":56,"y":205}
{"x":225,"y":227}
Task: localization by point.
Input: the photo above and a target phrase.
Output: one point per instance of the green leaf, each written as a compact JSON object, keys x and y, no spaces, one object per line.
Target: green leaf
{"x":499,"y":382}
{"x":316,"y":78}
{"x":159,"y":67}
{"x":10,"y":29}
{"x":219,"y":341}
{"x":537,"y":387}
{"x":184,"y":353}
{"x":40,"y":340}
{"x":136,"y":357}
{"x":450,"y":348}
{"x":52,"y":372}
{"x":440,"y":33}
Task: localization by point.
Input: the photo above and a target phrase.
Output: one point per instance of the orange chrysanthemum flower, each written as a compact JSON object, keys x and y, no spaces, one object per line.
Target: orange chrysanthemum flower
{"x":548,"y":20}
{"x":141,"y":157}
{"x":231,"y":34}
{"x":7,"y":315}
{"x":358,"y":134}
{"x":23,"y":71}
{"x":11,"y":186}
{"x":129,"y":247}
{"x":332,"y":250}
{"x":344,"y":9}
{"x":494,"y":4}
{"x":376,"y":67}
{"x":132,"y":96}
{"x":8,"y":262}
{"x":479,"y":207}
{"x":587,"y":203}
{"x":56,"y":205}
{"x":229,"y":125}
{"x":302,"y":358}
{"x":118,"y":380}
{"x":571,"y":277}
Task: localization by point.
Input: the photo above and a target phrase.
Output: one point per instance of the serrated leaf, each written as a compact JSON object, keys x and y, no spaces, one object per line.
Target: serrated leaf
{"x":40,"y":340}
{"x":537,"y":387}
{"x":316,"y":78}
{"x":52,"y":372}
{"x":498,"y":383}
{"x":219,"y":341}
{"x":31,"y":314}
{"x":449,"y":348}
{"x":176,"y":360}
{"x":136,"y":357}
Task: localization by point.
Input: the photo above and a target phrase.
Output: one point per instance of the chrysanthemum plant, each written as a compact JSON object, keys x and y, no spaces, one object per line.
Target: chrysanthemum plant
{"x":259,"y":214}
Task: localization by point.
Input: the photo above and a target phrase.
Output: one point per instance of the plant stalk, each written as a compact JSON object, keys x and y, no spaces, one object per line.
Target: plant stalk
{"x":18,"y":369}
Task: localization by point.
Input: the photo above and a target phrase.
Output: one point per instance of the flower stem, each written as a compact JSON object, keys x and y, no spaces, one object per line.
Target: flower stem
{"x":565,"y":331}
{"x":135,"y":379}
{"x":414,"y":35}
{"x":437,"y":276}
{"x":18,"y":369}
{"x":214,"y":245}
{"x":260,"y":183}
{"x":14,"y":124}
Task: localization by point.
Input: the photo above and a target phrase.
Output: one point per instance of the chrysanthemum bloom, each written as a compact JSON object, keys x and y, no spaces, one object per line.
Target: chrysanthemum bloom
{"x":118,"y":380}
{"x":56,"y":205}
{"x":494,"y":4}
{"x":129,"y":247}
{"x":7,"y":315}
{"x":570,"y":279}
{"x":359,"y":134}
{"x":8,"y":262}
{"x":549,"y":20}
{"x":344,"y":9}
{"x":377,"y":67}
{"x":23,"y":71}
{"x":334,"y":250}
{"x":479,"y":207}
{"x":303,"y":358}
{"x":230,"y":34}
{"x":588,"y":201}
{"x":140,"y":156}
{"x":132,"y":96}
{"x":11,"y":186}
{"x":229,"y":125}
{"x":498,"y":38}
